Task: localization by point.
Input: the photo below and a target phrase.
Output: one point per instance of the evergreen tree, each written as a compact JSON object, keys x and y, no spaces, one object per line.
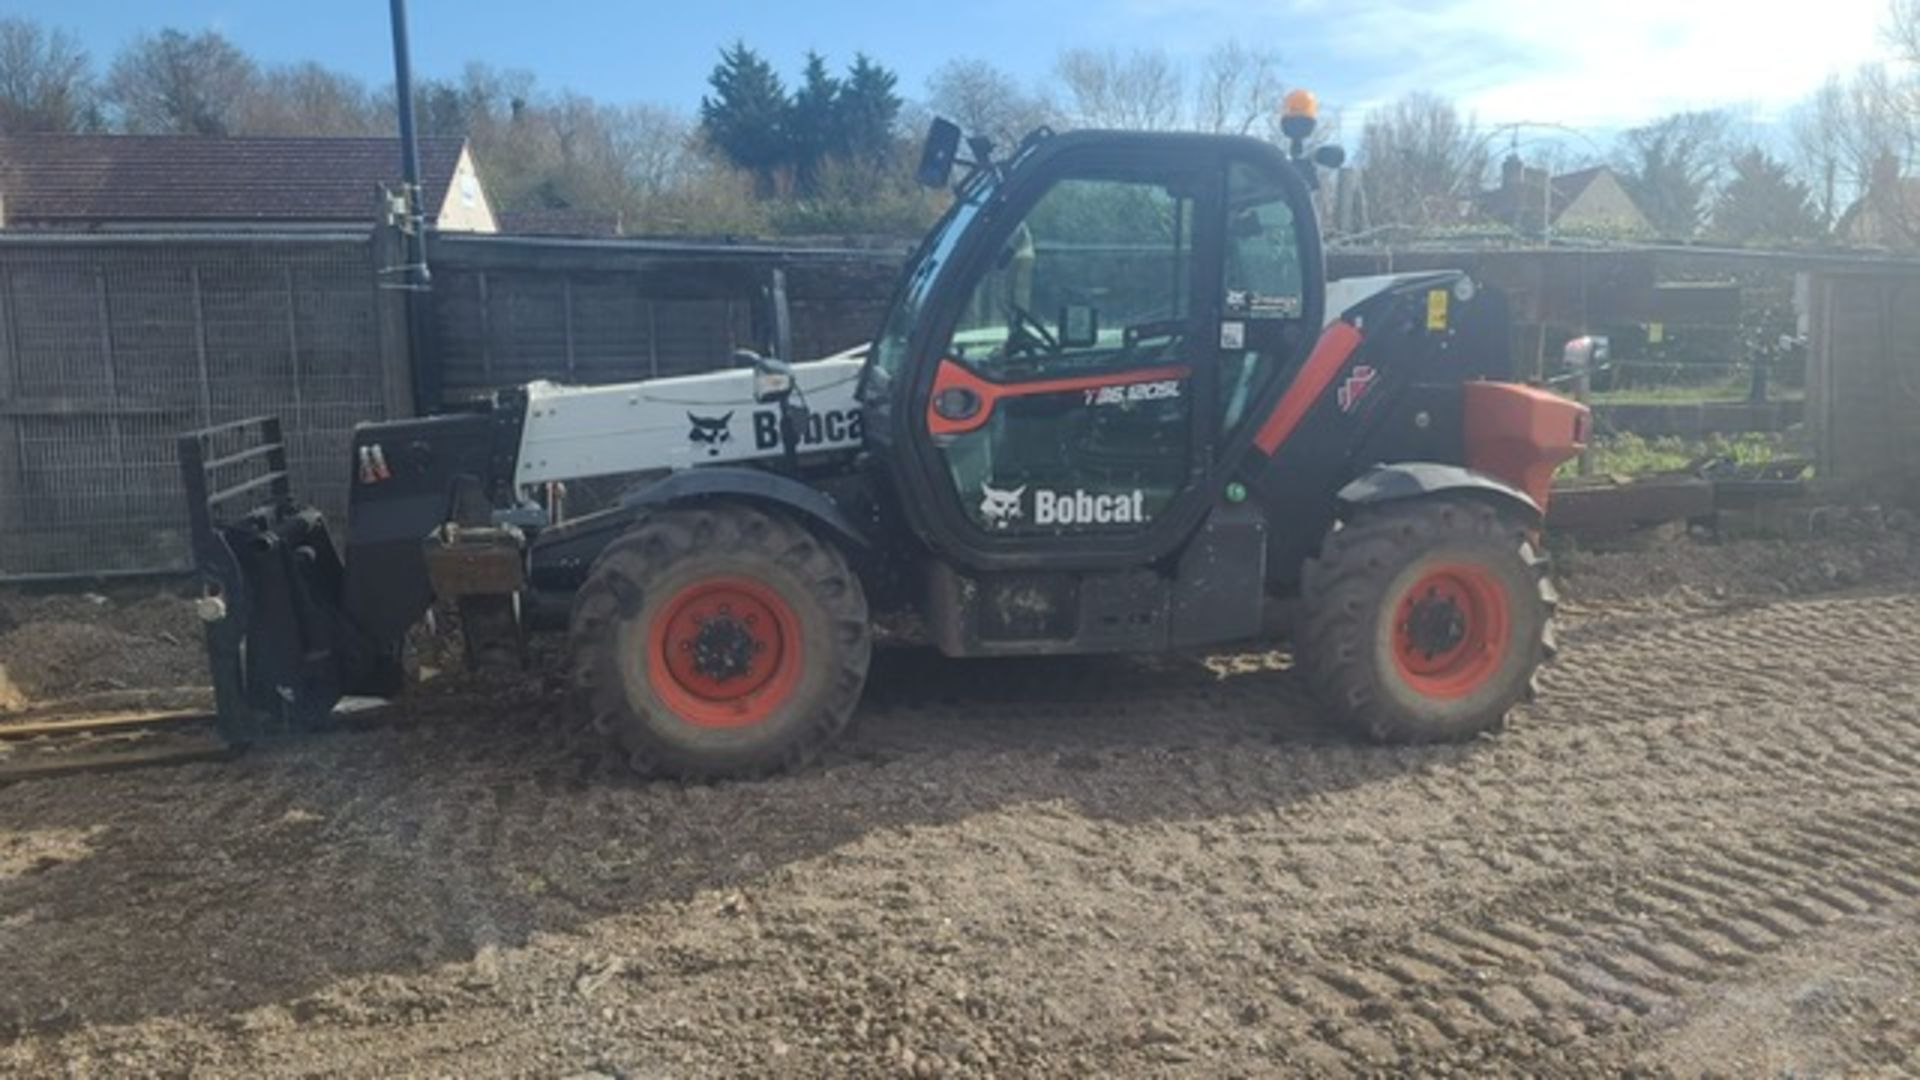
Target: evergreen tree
{"x":869,"y":106}
{"x":1762,"y":203}
{"x":813,"y":122}
{"x":745,"y":117}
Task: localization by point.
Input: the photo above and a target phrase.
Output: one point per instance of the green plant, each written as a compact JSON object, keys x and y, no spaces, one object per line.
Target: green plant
{"x":1632,"y":455}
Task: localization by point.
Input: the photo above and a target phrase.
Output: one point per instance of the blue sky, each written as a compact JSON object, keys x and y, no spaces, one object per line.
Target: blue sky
{"x":1598,"y":66}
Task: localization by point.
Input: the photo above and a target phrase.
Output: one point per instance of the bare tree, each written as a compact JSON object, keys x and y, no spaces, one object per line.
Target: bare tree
{"x":307,"y":99}
{"x":173,"y":83}
{"x":985,"y":100}
{"x":1903,"y":29}
{"x":46,"y":83}
{"x":655,"y":145}
{"x":1238,"y":89}
{"x":1141,"y":91}
{"x":1420,"y":162}
{"x":1852,"y":130}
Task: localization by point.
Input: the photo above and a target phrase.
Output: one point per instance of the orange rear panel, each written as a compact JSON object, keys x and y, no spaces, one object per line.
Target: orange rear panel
{"x":1520,"y":434}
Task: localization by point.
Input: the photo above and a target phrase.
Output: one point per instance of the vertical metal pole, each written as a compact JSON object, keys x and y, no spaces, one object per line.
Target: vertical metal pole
{"x":409,"y":143}
{"x":200,"y":350}
{"x":782,"y":316}
{"x":417,"y":278}
{"x":113,"y":408}
{"x":299,"y":401}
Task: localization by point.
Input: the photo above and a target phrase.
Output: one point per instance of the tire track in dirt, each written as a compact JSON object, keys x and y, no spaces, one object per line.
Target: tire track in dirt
{"x":1556,"y":967}
{"x":1077,"y":846}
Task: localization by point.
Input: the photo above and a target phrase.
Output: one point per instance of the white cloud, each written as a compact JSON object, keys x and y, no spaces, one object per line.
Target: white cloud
{"x":1603,"y":63}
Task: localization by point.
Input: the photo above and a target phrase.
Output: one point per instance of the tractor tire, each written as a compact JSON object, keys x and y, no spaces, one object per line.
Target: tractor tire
{"x":719,"y":642}
{"x":1425,"y":621}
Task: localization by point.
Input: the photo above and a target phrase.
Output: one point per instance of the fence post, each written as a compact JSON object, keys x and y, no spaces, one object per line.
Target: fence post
{"x":10,"y":471}
{"x":1583,"y":393}
{"x":203,"y":372}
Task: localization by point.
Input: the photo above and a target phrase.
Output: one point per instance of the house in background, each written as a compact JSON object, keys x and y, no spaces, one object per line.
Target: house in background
{"x":1591,"y":200}
{"x":1887,"y":215}
{"x":100,"y":183}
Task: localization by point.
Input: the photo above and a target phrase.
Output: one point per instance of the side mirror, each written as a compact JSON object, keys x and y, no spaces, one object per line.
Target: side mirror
{"x":938,"y":153}
{"x":1330,"y":157}
{"x":772,"y":379}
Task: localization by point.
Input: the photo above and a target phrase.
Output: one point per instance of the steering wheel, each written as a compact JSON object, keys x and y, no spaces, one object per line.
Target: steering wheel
{"x":1028,"y":331}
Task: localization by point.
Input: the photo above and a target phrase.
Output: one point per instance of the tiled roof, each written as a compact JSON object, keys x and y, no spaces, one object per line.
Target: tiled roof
{"x":76,"y":181}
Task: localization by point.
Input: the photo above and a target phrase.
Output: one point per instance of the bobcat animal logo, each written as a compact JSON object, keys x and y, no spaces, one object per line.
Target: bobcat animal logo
{"x":1001,"y":508}
{"x":710,"y":431}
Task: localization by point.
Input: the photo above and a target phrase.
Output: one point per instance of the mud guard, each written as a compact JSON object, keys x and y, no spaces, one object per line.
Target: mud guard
{"x":1417,"y":479}
{"x":562,"y":555}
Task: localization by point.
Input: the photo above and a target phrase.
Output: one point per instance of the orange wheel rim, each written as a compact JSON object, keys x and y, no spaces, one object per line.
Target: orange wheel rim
{"x":724,"y":652}
{"x":1450,"y":630}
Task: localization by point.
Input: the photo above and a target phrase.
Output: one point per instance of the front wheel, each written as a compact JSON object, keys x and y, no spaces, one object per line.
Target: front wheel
{"x":719,"y":641}
{"x":1425,"y":621}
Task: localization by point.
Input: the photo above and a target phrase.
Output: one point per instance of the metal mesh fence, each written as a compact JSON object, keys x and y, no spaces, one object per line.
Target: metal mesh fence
{"x":506,"y":310}
{"x":111,"y":347}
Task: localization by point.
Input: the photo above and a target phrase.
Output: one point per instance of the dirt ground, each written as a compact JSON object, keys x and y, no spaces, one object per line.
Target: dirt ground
{"x":1697,"y":854}
{"x":132,"y":644}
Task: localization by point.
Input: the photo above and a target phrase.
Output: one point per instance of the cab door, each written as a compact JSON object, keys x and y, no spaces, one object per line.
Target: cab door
{"x":1061,"y":408}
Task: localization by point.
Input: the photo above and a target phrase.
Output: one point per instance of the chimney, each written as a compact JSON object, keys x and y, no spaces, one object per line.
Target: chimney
{"x":1513,"y":172}
{"x":1886,"y":173}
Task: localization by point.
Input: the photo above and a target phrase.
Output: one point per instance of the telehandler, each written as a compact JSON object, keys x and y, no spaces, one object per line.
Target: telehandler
{"x":1114,"y":406}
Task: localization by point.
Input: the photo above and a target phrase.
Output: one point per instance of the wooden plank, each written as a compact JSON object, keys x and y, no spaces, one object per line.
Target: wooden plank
{"x":1620,"y":508}
{"x":106,"y":760}
{"x":42,"y":728}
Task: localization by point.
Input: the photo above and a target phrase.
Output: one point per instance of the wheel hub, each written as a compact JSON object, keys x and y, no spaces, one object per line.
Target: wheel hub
{"x":723,"y":646}
{"x":1436,"y":624}
{"x":724,"y":652}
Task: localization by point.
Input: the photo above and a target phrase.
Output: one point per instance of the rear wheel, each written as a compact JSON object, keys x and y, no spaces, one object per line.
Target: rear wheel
{"x":719,"y":642}
{"x":1425,"y":621}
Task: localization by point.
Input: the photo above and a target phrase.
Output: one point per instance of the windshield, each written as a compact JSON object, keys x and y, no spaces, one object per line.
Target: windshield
{"x":890,"y":350}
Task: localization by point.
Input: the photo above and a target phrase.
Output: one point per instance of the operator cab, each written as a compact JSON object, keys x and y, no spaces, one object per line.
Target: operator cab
{"x":1086,"y":337}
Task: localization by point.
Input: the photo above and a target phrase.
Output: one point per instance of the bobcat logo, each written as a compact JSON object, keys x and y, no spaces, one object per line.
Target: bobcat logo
{"x":710,"y":431}
{"x":1001,"y":508}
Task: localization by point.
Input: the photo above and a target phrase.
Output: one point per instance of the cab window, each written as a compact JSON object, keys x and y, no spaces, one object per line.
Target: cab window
{"x":1265,"y":288}
{"x":1094,"y":278}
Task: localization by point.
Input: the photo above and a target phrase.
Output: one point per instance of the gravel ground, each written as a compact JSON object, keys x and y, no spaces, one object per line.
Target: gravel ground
{"x":1698,"y":853}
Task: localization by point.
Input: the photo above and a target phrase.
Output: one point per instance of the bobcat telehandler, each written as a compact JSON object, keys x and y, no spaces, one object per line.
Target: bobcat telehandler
{"x":1114,"y":406}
